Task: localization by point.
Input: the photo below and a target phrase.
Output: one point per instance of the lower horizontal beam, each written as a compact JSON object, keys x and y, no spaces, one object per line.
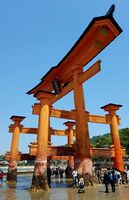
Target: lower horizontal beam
{"x":62,"y":152}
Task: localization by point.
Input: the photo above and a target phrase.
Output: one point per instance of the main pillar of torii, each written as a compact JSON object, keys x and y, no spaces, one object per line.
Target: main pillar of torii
{"x":39,"y":180}
{"x":83,"y":162}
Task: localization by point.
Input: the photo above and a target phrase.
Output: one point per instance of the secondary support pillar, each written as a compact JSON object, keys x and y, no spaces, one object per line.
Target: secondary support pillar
{"x":39,"y":181}
{"x":70,"y":134}
{"x":12,"y":169}
{"x":118,"y":161}
{"x":83,"y":162}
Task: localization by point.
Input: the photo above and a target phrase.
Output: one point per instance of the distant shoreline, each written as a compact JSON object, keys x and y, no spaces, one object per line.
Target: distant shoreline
{"x":20,"y":169}
{"x":5,"y":173}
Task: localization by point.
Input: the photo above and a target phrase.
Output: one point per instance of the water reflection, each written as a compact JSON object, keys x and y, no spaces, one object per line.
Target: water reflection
{"x":59,"y":191}
{"x":124,"y":195}
{"x":40,"y":195}
{"x":11,"y":185}
{"x":72,"y":194}
{"x":10,"y":194}
{"x":1,"y":182}
{"x":59,"y":183}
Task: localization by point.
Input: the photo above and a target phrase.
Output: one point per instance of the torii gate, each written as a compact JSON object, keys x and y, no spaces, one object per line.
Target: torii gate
{"x":17,"y":128}
{"x":68,"y":75}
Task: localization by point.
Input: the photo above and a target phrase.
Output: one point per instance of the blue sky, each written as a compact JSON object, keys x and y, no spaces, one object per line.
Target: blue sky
{"x":34,"y":36}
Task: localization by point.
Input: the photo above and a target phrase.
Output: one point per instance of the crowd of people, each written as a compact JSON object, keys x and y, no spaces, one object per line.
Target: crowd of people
{"x":112,"y":177}
{"x":58,"y":172}
{"x":109,"y":177}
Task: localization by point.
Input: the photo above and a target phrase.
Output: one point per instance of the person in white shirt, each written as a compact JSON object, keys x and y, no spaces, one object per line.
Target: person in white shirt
{"x":75,"y":179}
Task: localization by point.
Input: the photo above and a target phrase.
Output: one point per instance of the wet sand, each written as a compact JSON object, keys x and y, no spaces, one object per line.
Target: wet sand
{"x":59,"y":191}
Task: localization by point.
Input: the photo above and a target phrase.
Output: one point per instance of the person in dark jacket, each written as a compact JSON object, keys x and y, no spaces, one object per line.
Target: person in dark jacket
{"x":112,"y":177}
{"x":106,"y":180}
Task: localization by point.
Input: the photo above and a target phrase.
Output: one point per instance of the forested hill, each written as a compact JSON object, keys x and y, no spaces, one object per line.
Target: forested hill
{"x":105,"y":140}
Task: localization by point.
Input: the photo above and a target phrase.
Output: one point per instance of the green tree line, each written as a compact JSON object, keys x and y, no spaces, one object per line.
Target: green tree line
{"x":104,"y":141}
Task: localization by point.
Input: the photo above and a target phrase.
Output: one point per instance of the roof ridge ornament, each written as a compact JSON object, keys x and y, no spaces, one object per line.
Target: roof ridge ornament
{"x":111,"y":10}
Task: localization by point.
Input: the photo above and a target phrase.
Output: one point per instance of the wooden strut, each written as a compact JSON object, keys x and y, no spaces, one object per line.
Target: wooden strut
{"x":64,"y":114}
{"x":26,"y":130}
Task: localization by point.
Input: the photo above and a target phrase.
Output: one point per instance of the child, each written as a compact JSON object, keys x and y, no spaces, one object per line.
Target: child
{"x":81,"y":185}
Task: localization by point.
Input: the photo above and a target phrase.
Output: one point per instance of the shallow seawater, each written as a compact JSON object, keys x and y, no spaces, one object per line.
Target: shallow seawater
{"x":60,"y":190}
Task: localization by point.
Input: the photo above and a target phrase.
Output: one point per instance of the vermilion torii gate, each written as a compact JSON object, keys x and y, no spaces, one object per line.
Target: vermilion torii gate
{"x":68,"y":76}
{"x":65,"y":153}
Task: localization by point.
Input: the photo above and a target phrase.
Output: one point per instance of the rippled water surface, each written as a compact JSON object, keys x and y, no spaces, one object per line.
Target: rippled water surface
{"x":59,"y":191}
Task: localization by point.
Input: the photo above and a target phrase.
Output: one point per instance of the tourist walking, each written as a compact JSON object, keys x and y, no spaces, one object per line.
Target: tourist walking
{"x":118,"y":177}
{"x":124,"y":177}
{"x":61,"y":173}
{"x":127,"y":175}
{"x":75,"y":178}
{"x":106,"y":180}
{"x":98,"y":175}
{"x":112,"y":177}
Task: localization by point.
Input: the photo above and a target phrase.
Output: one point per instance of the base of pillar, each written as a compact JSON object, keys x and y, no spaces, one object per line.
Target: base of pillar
{"x":118,"y":164}
{"x":12,"y":175}
{"x":118,"y":167}
{"x":39,"y":182}
{"x":84,"y":167}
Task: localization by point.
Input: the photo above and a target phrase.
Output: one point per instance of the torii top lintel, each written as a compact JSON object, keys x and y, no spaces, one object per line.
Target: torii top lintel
{"x":99,"y":34}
